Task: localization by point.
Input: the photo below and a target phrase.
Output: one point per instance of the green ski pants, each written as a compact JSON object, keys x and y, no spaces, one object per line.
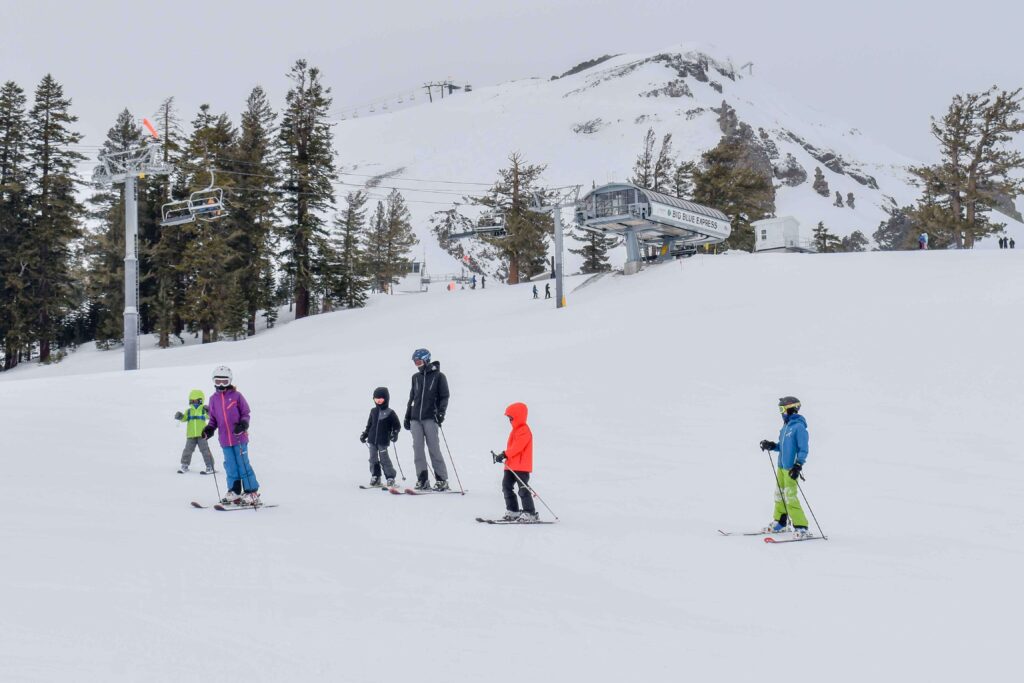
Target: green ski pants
{"x":791,"y":505}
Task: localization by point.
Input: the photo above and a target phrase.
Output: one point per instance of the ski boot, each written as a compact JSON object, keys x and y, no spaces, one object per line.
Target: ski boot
{"x":422,"y":485}
{"x":801,"y":532}
{"x":511,"y":515}
{"x":775,"y":528}
{"x":208,"y":470}
{"x":375,"y":481}
{"x":527,"y":517}
{"x":441,"y":485}
{"x":231,"y":498}
{"x":183,"y":469}
{"x":391,"y":483}
{"x":251,"y":499}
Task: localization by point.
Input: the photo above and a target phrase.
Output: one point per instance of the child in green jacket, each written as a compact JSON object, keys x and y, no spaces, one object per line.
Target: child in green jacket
{"x":195,"y":416}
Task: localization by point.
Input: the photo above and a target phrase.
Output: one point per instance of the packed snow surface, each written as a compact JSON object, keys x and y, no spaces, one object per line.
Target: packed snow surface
{"x":648,"y":396}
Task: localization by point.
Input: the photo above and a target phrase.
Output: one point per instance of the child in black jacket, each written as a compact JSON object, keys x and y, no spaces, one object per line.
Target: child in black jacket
{"x":382,"y":428}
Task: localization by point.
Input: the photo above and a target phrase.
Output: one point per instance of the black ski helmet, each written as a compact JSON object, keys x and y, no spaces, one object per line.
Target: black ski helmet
{"x":789,"y":405}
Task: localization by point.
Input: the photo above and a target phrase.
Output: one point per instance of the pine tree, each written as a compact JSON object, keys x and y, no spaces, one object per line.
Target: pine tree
{"x":820,"y":185}
{"x":348,"y":284}
{"x":104,"y":246}
{"x":643,"y":167}
{"x":664,"y":167}
{"x":15,"y":177}
{"x":525,"y":247}
{"x":56,"y":211}
{"x":978,"y":167}
{"x":308,"y":173}
{"x":824,"y":241}
{"x":839,"y":200}
{"x":728,"y":185}
{"x":849,"y":199}
{"x":682,"y":180}
{"x":856,"y":241}
{"x":594,"y":250}
{"x":391,"y":240}
{"x":254,"y":203}
{"x":899,"y":231}
{"x":376,"y":250}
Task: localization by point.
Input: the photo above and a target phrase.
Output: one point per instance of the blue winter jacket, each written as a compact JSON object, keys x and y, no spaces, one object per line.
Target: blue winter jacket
{"x":792,"y":441}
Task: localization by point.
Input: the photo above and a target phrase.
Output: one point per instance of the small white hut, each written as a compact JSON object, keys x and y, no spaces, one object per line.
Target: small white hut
{"x":782,"y":234}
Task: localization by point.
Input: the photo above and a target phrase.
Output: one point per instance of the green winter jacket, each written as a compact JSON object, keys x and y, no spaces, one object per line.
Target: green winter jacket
{"x":196,"y":417}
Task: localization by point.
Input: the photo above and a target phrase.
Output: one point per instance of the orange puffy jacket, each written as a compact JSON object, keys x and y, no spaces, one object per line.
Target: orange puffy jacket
{"x":519,"y":451}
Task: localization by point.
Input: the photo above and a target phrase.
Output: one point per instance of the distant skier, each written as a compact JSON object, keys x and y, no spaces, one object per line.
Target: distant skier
{"x":382,"y":428}
{"x":518,"y":460}
{"x":547,"y":291}
{"x":428,"y":401}
{"x":483,"y":281}
{"x":473,"y":281}
{"x":195,"y":416}
{"x":536,"y":294}
{"x":922,"y":241}
{"x":1002,"y":243}
{"x":792,"y":449}
{"x":229,"y":416}
{"x":1012,"y":243}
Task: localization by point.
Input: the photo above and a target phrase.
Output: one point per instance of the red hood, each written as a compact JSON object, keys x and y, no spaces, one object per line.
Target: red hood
{"x":517,"y":411}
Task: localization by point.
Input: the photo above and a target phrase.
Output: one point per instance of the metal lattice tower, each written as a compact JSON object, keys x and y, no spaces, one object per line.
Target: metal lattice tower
{"x":116,"y":168}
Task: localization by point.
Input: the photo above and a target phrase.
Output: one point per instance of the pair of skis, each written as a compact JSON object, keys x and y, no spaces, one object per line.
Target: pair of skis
{"x":769,"y":537}
{"x":407,"y":491}
{"x":511,"y":521}
{"x":232,"y":508}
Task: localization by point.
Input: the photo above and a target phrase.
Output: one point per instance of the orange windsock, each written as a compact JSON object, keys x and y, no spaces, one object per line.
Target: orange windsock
{"x":150,"y":128}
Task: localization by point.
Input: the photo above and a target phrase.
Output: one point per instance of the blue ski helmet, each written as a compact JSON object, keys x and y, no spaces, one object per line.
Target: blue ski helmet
{"x":421,"y":354}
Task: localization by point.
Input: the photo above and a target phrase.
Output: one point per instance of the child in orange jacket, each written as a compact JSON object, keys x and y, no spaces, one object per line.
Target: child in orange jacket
{"x":518,"y":459}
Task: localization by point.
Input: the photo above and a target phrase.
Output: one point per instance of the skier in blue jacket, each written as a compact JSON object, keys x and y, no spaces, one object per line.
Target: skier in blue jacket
{"x":792,"y":450}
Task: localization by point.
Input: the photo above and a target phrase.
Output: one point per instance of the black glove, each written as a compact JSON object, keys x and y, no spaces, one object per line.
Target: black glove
{"x":208,"y":431}
{"x":178,"y":415}
{"x":241,"y":426}
{"x":407,"y":424}
{"x":440,"y":418}
{"x":363,"y":437}
{"x":794,"y":471}
{"x":394,"y":436}
{"x":499,"y":457}
{"x":767,"y":445}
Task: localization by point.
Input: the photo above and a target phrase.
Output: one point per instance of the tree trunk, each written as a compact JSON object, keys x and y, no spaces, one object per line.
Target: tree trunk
{"x":251,"y":328}
{"x":513,"y":270}
{"x":301,"y":302}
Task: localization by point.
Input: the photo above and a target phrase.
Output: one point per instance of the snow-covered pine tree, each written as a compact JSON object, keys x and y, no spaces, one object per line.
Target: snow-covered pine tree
{"x":307,"y":175}
{"x":824,"y":241}
{"x":849,"y":199}
{"x":899,"y":231}
{"x":594,"y":250}
{"x":15,"y":312}
{"x":820,"y":185}
{"x":856,"y":241}
{"x":56,"y":211}
{"x":839,"y":200}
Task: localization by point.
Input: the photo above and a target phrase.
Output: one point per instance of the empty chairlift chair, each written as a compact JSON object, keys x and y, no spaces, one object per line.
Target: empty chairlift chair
{"x":176,"y":213}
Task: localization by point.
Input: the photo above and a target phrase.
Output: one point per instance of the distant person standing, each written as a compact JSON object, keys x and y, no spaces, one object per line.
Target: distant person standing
{"x":473,"y":283}
{"x":483,"y":281}
{"x":922,"y":241}
{"x":1012,"y":243}
{"x":1002,"y":243}
{"x":536,"y":294}
{"x":424,"y":414}
{"x":547,"y":291}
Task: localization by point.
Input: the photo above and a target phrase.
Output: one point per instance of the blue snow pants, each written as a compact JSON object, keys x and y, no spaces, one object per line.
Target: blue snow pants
{"x":239,"y":471}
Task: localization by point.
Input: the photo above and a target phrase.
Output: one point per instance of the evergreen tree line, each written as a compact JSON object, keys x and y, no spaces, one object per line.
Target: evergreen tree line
{"x":62,"y":260}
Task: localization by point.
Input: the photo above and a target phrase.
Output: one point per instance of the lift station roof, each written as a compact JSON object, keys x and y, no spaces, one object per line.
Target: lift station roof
{"x":653,"y":216}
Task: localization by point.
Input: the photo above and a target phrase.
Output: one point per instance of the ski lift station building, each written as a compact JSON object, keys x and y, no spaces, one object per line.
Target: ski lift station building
{"x":782,"y":234}
{"x":649,"y":218}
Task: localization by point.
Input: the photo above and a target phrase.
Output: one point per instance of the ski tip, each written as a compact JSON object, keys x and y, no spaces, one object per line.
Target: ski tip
{"x":769,"y":539}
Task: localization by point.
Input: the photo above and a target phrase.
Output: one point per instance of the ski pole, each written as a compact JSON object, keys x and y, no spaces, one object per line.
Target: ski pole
{"x":451,"y":459}
{"x":532,"y":492}
{"x":397,"y":461}
{"x":800,"y":489}
{"x":778,"y":484}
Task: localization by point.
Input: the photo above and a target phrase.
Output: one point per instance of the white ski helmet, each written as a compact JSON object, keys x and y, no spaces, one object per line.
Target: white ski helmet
{"x":222,"y":371}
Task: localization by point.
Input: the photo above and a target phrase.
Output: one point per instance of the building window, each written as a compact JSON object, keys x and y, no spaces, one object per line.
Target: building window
{"x":764,"y":235}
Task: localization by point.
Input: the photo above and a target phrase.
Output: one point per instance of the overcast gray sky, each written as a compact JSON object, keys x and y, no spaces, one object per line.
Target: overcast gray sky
{"x":881,"y":66}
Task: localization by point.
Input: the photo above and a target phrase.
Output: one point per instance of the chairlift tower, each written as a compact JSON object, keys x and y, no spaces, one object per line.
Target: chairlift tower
{"x":116,"y":168}
{"x":553,"y":203}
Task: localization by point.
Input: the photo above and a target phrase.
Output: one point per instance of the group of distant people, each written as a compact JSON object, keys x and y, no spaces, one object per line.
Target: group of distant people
{"x":547,"y":291}
{"x":1006,"y":242}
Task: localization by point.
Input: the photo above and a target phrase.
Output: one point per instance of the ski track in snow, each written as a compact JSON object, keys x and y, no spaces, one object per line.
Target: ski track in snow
{"x":648,"y":396}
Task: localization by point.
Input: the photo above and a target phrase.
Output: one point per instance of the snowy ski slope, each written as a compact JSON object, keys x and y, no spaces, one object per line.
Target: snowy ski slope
{"x":647,"y":395}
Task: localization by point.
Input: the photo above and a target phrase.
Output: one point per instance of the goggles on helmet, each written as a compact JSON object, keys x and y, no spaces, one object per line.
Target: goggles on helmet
{"x":783,"y":409}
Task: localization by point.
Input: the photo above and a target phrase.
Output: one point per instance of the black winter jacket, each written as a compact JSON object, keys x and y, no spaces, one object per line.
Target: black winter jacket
{"x":429,"y":393}
{"x":383,"y":422}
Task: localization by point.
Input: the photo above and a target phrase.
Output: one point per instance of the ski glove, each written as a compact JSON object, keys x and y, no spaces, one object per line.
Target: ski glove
{"x":178,"y":415}
{"x":794,"y":471}
{"x":241,"y":426}
{"x":363,"y":437}
{"x":767,"y":445}
{"x":440,"y":418}
{"x":394,"y":436}
{"x":499,"y":457}
{"x":407,"y":424}
{"x":208,"y":431}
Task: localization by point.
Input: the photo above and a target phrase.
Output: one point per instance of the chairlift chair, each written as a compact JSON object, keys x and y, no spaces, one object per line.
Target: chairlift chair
{"x":208,"y":204}
{"x":491,"y":224}
{"x":176,"y":213}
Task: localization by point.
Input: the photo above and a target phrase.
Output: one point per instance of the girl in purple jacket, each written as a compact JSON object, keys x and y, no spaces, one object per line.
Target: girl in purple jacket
{"x":229,"y":417}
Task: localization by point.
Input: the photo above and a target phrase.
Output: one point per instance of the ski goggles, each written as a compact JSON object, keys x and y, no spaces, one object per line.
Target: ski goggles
{"x":197,"y":402}
{"x":221,"y":381}
{"x":783,"y":409}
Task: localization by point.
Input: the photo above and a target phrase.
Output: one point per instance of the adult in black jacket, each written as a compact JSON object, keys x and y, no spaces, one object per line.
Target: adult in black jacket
{"x":428,"y":401}
{"x":382,"y":428}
